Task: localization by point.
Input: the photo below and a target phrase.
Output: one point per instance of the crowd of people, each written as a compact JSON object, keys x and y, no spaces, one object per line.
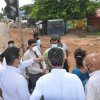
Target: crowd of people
{"x":38,"y":75}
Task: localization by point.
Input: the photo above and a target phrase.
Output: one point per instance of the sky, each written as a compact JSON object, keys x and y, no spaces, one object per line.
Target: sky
{"x":21,"y":3}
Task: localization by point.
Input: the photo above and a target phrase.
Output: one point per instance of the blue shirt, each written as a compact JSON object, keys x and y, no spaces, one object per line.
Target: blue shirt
{"x":83,"y":76}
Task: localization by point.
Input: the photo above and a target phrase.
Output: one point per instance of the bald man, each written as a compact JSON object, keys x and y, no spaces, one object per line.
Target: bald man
{"x":92,"y":62}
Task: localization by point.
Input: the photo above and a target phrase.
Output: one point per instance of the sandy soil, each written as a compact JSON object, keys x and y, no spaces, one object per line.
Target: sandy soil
{"x":89,"y":43}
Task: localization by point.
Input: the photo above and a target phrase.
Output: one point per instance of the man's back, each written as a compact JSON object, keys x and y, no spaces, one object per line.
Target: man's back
{"x":14,"y":85}
{"x":59,"y":85}
{"x":2,"y":68}
{"x":93,"y":86}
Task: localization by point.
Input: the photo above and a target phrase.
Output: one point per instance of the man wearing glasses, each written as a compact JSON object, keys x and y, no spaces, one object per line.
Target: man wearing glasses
{"x":92,"y":62}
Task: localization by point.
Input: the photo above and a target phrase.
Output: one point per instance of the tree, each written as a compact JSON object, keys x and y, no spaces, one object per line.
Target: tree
{"x":1,"y":15}
{"x":66,"y":9}
{"x":27,"y":8}
{"x":91,"y":8}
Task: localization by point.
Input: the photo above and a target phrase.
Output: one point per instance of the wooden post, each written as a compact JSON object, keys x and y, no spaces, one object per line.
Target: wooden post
{"x":20,"y":28}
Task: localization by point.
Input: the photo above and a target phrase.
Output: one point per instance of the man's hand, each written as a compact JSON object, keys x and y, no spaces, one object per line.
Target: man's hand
{"x":38,"y":59}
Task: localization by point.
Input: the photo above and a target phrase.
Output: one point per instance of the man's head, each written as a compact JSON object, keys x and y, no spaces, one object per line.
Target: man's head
{"x":36,"y":35}
{"x":92,"y":62}
{"x":54,"y":41}
{"x":12,"y":56}
{"x":11,"y":43}
{"x":31,"y":43}
{"x":56,"y":57}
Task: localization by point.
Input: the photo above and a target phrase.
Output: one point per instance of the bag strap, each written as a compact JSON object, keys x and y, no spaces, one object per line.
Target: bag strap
{"x":40,"y":64}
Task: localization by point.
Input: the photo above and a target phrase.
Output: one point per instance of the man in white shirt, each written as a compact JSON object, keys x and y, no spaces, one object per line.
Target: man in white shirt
{"x":58,"y":84}
{"x":92,"y":62}
{"x":35,"y":71}
{"x":2,"y":68}
{"x":13,"y":84}
{"x":1,"y":71}
{"x":22,"y":65}
{"x":38,"y":41}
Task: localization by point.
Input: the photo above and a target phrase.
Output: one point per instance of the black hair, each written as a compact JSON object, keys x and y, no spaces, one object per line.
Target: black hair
{"x":54,"y":39}
{"x":11,"y":54}
{"x":56,"y":56}
{"x":30,"y":41}
{"x":11,"y":41}
{"x":79,"y":55}
{"x":1,"y":59}
{"x":59,"y":37}
{"x":35,"y":34}
{"x":2,"y":55}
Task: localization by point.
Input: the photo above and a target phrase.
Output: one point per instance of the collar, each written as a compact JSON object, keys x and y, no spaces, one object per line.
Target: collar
{"x":95,"y":73}
{"x":30,"y":50}
{"x":13,"y":68}
{"x":58,"y":71}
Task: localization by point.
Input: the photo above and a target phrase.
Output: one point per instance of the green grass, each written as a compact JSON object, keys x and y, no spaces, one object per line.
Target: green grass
{"x":93,"y":33}
{"x":85,"y":34}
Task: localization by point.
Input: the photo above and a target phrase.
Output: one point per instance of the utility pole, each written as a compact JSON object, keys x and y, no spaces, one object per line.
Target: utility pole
{"x":12,"y":10}
{"x":21,"y":31}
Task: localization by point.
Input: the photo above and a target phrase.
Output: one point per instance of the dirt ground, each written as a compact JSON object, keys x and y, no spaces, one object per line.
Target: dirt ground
{"x":89,"y":43}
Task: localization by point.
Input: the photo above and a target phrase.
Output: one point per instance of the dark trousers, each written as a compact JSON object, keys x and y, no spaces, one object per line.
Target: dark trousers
{"x":32,"y":80}
{"x":66,"y":67}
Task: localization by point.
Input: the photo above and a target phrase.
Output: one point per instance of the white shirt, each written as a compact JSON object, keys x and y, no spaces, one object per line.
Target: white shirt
{"x":93,"y":86}
{"x":59,"y":85}
{"x":22,"y":65}
{"x":39,"y":44}
{"x":64,"y":46}
{"x":1,"y":98}
{"x":33,"y":68}
{"x":14,"y":86}
{"x":2,"y":68}
{"x":36,"y":50}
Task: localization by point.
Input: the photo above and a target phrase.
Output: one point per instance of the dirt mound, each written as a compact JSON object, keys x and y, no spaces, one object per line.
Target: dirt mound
{"x":90,"y":43}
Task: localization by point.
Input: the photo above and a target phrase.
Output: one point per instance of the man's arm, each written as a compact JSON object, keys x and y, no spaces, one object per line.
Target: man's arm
{"x":28,"y":62}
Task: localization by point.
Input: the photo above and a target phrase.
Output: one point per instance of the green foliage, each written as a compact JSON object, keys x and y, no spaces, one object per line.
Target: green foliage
{"x":28,"y":9}
{"x":91,"y":8}
{"x":66,"y":9}
{"x":1,"y":15}
{"x":49,"y":9}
